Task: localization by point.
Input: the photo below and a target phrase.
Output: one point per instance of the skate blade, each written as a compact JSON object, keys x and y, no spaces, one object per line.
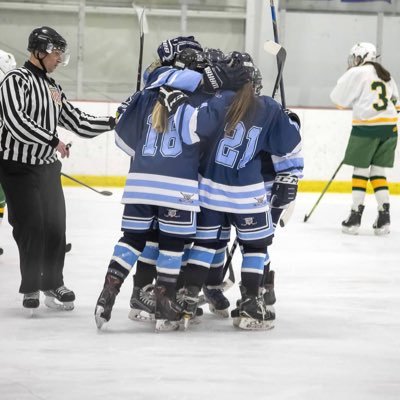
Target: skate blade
{"x":236,"y":321}
{"x":186,"y":321}
{"x":251,"y":324}
{"x":164,"y":325}
{"x":353,"y":230}
{"x":385,"y":230}
{"x":30,"y":312}
{"x":219,"y":313}
{"x":100,"y":321}
{"x":51,"y":303}
{"x":140,"y":315}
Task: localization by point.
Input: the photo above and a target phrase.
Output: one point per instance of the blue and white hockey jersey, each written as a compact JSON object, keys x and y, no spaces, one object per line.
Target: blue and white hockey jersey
{"x":164,"y":166}
{"x":231,"y":179}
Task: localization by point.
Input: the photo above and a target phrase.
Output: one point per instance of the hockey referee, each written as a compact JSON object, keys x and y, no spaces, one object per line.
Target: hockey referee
{"x":32,"y":105}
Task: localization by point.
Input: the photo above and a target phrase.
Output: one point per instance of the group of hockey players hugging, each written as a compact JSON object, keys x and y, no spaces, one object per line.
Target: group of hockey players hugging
{"x":208,"y":152}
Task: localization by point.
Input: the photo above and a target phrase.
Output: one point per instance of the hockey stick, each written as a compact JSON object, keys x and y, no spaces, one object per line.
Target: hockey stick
{"x":276,"y":38}
{"x":141,"y":41}
{"x":277,"y":50}
{"x":307,"y":216}
{"x":103,"y":192}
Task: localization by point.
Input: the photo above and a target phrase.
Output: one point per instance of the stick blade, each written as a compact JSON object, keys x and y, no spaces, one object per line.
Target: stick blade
{"x":272,"y":47}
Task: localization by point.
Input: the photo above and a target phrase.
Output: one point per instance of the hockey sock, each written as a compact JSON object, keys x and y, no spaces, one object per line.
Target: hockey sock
{"x":169,"y":260}
{"x":185,"y":259}
{"x":200,"y":259}
{"x":359,"y":186}
{"x":145,"y":274}
{"x":253,"y":268}
{"x":380,"y":185}
{"x":126,"y":252}
{"x":216,"y":272}
{"x":267,"y":265}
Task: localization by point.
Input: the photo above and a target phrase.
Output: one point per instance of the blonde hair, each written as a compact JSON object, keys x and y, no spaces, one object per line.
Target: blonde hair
{"x":242,"y":107}
{"x":159,"y":117}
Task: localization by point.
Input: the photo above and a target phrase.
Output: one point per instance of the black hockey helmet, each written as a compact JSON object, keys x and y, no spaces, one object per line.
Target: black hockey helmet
{"x":213,"y":56}
{"x":45,"y":40}
{"x":237,"y":58}
{"x":189,"y":58}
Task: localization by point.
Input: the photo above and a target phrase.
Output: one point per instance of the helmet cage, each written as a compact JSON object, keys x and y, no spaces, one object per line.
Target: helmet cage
{"x":189,"y":58}
{"x":361,"y":53}
{"x":213,"y":56}
{"x":47,"y":40}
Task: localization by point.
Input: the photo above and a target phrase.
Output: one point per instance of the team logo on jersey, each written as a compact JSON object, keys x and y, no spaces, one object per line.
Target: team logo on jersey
{"x":187,"y":197}
{"x":249,"y":221}
{"x":260,"y":201}
{"x":172,"y":213}
{"x":55,"y":95}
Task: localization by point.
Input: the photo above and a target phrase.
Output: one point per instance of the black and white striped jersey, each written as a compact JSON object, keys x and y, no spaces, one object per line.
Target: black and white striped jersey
{"x":32,"y":105}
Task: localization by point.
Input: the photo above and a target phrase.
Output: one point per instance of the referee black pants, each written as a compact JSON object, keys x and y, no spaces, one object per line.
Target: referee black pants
{"x":36,"y":211}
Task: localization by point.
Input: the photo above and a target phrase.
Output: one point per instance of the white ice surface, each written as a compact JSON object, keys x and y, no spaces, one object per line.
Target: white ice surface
{"x":337,"y":333}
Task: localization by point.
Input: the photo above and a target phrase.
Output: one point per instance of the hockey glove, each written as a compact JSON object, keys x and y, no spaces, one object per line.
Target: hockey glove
{"x":292,"y":116}
{"x":225,"y":77}
{"x":168,"y":49}
{"x":283,"y":190}
{"x":171,"y":98}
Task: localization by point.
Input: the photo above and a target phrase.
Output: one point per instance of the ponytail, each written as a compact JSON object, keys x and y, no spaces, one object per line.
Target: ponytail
{"x":382,"y":73}
{"x":242,"y":107}
{"x":159,"y":117}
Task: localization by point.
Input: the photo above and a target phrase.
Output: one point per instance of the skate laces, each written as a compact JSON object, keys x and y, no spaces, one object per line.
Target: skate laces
{"x":62,"y":290}
{"x":261,"y":306}
{"x":186,"y":301}
{"x":147,"y":296}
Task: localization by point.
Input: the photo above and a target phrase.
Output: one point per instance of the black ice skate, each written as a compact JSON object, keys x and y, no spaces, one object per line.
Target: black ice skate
{"x":353,"y":222}
{"x":168,"y":311}
{"x":143,"y":304}
{"x":64,"y":296}
{"x":217,"y":302}
{"x":268,"y":291}
{"x":252,"y":314}
{"x":382,"y":223}
{"x":106,"y":300}
{"x":31,"y":300}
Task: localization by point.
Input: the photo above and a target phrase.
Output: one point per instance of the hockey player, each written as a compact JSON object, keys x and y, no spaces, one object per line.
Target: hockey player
{"x":372,"y":93}
{"x":162,"y":186}
{"x":231,"y":185}
{"x":7,"y":63}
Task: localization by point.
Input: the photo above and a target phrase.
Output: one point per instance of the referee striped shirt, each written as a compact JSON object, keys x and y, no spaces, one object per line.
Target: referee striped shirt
{"x":32,"y":105}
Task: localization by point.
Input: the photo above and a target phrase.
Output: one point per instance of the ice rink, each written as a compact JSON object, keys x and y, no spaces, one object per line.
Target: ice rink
{"x":337,"y":333}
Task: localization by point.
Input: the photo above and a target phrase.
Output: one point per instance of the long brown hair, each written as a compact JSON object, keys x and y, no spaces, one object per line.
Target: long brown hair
{"x":382,"y":73}
{"x":159,"y":117}
{"x":242,"y":107}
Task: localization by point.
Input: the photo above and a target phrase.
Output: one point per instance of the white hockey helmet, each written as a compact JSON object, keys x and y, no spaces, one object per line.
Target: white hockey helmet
{"x":7,"y":63}
{"x":360,"y":53}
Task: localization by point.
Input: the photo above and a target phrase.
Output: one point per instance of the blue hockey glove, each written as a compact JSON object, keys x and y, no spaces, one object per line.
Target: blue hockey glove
{"x":284,"y":190}
{"x":293,"y":116}
{"x":225,"y":77}
{"x":171,"y":98}
{"x":168,"y":49}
